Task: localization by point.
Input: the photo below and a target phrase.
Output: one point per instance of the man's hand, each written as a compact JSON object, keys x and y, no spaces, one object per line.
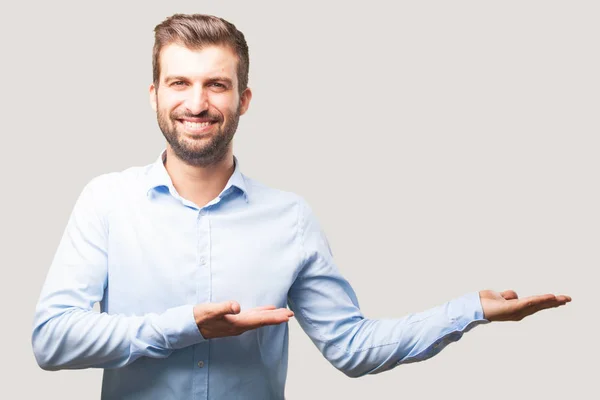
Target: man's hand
{"x":216,"y":320}
{"x":507,"y":306}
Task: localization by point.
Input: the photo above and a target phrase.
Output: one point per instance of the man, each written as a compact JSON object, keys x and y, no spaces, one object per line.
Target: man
{"x":194,"y":263}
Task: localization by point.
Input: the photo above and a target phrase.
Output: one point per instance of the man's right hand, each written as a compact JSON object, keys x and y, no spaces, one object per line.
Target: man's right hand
{"x":216,"y":320}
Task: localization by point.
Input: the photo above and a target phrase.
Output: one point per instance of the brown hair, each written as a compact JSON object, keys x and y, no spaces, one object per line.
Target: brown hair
{"x":196,"y":31}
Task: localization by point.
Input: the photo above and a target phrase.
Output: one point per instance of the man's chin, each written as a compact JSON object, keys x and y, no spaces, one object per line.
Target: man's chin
{"x":198,"y":155}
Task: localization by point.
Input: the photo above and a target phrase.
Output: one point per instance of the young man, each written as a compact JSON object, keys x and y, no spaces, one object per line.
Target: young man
{"x":194,"y":263}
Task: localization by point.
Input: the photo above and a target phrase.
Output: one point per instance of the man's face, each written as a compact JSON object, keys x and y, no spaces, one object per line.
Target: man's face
{"x":197,"y":102}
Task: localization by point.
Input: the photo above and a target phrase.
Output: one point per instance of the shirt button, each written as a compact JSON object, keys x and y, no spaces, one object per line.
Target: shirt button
{"x":202,"y":260}
{"x":200,"y":364}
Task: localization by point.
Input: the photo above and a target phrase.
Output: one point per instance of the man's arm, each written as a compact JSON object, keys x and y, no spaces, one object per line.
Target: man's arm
{"x":327,"y":309}
{"x":68,"y":333}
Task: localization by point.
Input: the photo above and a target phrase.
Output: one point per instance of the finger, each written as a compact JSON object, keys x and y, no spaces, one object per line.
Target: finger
{"x":534,"y":304}
{"x":534,"y":301}
{"x":267,"y":308}
{"x":509,"y":295}
{"x":261,"y":308}
{"x":541,"y":298}
{"x":564,"y":298}
{"x":276,"y":313}
{"x":260,"y":318}
{"x":227,"y":307}
{"x":541,"y":306}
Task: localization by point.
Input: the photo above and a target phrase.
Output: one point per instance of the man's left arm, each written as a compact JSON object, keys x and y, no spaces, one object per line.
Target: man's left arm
{"x":327,"y":309}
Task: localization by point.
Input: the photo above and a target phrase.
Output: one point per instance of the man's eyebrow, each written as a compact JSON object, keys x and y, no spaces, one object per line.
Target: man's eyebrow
{"x":175,"y":78}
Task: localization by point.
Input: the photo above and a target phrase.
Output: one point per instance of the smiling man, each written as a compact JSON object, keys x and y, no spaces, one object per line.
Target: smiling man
{"x":195,"y":264}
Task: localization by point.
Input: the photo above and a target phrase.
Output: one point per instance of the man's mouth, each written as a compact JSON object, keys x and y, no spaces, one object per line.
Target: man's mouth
{"x":197,"y":125}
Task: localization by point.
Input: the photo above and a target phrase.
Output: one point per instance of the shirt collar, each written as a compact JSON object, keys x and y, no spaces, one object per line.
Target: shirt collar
{"x":157,"y":176}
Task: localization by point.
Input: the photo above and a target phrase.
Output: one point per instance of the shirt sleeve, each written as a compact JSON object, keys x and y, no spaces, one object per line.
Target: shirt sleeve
{"x":327,"y":309}
{"x":67,"y":332}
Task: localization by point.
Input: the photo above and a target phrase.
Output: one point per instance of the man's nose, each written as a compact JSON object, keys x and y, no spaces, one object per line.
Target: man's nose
{"x":198,"y":100}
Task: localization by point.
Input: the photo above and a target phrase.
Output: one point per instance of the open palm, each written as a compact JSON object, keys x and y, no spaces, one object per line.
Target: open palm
{"x":506,"y":306}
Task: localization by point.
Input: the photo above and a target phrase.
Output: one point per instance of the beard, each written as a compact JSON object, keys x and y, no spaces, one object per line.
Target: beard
{"x":198,"y":152}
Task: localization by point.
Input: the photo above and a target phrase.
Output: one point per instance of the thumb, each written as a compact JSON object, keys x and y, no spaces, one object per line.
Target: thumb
{"x":509,"y":295}
{"x":227,"y":307}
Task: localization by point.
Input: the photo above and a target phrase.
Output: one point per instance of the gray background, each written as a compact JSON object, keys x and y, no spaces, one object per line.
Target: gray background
{"x":446,"y":147}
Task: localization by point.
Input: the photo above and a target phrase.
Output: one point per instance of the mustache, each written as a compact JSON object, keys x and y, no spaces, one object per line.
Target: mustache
{"x":204,"y":114}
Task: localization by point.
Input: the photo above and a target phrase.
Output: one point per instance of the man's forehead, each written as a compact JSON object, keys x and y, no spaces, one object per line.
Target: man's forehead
{"x":177,"y":59}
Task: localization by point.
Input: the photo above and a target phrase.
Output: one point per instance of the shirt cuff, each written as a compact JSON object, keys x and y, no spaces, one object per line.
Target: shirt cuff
{"x":179,"y":327}
{"x":466,"y":312}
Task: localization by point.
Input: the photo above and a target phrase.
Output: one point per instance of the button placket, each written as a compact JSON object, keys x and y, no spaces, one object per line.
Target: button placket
{"x":203,"y":246}
{"x":203,"y":295}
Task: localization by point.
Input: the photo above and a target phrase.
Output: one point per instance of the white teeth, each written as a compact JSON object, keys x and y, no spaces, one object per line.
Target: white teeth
{"x":195,"y":125}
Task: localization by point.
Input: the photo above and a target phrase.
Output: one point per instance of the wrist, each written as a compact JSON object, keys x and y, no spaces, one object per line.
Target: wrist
{"x":198,"y":317}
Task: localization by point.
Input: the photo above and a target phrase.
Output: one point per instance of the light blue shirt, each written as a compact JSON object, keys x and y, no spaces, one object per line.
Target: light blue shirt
{"x":147,"y":255}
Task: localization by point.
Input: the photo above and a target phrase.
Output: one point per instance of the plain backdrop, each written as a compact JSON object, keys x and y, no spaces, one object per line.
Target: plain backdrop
{"x":445,"y":147}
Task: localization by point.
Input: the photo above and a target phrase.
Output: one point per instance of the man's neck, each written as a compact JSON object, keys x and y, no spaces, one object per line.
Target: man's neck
{"x":199,"y":184}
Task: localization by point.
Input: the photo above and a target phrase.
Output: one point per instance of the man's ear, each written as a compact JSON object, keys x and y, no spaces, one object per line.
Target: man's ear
{"x":245,"y":100}
{"x":153,"y":97}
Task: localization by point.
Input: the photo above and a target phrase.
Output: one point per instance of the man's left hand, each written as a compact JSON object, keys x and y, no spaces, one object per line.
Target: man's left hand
{"x":506,"y":306}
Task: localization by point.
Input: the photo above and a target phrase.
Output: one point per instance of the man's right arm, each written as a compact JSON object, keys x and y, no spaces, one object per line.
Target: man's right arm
{"x":68,"y":333}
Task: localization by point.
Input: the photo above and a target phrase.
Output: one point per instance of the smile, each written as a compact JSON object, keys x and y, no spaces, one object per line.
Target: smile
{"x":197,"y":127}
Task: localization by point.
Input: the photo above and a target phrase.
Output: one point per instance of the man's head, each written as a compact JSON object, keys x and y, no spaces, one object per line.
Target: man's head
{"x":197,"y":31}
{"x":199,"y":90}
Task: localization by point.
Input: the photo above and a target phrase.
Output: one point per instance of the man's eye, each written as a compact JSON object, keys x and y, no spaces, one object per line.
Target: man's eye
{"x":178,"y":83}
{"x":218,"y":85}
